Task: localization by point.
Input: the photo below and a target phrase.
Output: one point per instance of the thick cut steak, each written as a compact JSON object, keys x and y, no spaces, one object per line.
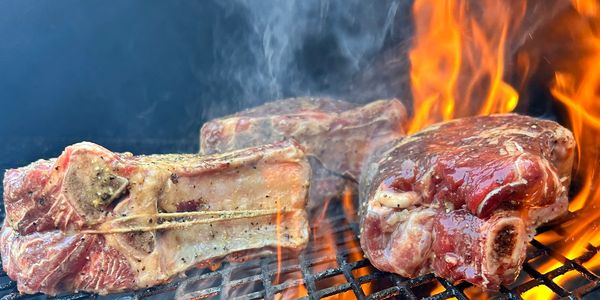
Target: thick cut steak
{"x":94,"y":220}
{"x":337,"y":135}
{"x":463,"y":198}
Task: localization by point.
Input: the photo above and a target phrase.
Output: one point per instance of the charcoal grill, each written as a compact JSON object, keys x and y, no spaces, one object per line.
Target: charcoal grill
{"x":320,"y":272}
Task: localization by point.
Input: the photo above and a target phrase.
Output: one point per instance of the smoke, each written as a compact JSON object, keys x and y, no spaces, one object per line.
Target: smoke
{"x":348,"y":49}
{"x":267,"y":50}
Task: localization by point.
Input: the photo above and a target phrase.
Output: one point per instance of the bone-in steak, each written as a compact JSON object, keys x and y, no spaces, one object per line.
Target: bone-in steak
{"x":337,"y":135}
{"x":463,"y":198}
{"x":94,"y":220}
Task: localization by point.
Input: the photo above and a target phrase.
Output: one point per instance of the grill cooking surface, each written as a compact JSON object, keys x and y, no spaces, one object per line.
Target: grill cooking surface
{"x":322,"y":270}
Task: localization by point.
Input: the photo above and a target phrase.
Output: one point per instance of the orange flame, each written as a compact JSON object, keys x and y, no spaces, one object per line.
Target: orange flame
{"x":351,"y":243}
{"x":278,"y":221}
{"x":577,"y":87}
{"x":458,"y":59}
{"x":351,"y":215}
{"x":326,"y":243}
{"x":458,"y":69}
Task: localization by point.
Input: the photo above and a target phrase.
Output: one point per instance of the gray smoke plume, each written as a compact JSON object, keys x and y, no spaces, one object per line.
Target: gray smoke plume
{"x":348,"y":49}
{"x":267,"y":50}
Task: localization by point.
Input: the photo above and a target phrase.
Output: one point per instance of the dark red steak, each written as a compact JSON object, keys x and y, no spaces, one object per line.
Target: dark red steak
{"x":465,"y":195}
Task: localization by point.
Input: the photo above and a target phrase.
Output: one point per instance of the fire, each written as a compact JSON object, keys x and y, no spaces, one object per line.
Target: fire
{"x":459,"y":57}
{"x":348,"y":205}
{"x":459,"y":61}
{"x":278,"y":233}
{"x":351,"y":215}
{"x":328,"y":242}
{"x":458,"y":69}
{"x":577,"y":87}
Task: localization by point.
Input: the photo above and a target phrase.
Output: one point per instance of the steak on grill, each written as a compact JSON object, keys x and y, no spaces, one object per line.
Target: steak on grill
{"x":337,"y":135}
{"x":463,"y":198}
{"x":94,"y":220}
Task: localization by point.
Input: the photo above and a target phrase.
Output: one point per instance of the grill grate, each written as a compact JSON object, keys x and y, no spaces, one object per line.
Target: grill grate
{"x":321,"y":271}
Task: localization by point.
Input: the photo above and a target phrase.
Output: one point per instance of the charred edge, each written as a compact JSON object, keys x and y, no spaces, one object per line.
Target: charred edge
{"x":174,"y":178}
{"x":504,"y":242}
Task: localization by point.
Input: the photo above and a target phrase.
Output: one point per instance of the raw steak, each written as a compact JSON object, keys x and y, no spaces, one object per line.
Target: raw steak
{"x":94,"y":220}
{"x":337,"y":135}
{"x":463,"y":198}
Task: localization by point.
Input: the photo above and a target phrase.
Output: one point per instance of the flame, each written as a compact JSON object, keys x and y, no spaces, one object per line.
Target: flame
{"x":294,"y":293}
{"x":438,"y":289}
{"x":539,"y":292}
{"x":577,"y":87}
{"x":324,"y":242}
{"x":348,"y":205}
{"x":326,"y":246}
{"x":459,"y":68}
{"x":458,"y":62}
{"x":587,"y":7}
{"x":458,"y":59}
{"x":475,"y":292}
{"x":593,"y":264}
{"x":278,"y":221}
{"x":351,"y":215}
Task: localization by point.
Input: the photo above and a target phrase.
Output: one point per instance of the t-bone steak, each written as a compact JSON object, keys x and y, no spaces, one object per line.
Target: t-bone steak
{"x":98,"y":221}
{"x":337,"y":135}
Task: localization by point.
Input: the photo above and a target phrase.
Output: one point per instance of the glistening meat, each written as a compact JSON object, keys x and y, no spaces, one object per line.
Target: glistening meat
{"x":94,"y":220}
{"x":463,"y":198}
{"x":337,"y":135}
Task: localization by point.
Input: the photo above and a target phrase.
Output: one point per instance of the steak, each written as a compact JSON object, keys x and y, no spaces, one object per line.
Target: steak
{"x":98,"y":221}
{"x":337,"y":135}
{"x":463,"y":198}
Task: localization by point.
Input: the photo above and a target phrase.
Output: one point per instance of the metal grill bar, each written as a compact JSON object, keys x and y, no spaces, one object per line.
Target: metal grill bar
{"x":255,"y":279}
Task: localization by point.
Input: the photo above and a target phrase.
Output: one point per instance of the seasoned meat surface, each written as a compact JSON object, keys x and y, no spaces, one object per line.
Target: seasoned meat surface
{"x":98,"y":221}
{"x":337,"y":135}
{"x":466,"y":195}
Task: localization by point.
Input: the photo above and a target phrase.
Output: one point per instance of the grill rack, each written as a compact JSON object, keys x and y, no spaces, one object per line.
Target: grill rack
{"x":321,"y":271}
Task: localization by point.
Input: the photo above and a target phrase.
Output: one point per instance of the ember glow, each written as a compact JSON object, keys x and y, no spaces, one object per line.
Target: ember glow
{"x":351,"y":214}
{"x":328,"y":242}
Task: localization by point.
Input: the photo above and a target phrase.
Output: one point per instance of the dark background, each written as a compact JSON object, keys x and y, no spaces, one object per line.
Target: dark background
{"x":142,"y":76}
